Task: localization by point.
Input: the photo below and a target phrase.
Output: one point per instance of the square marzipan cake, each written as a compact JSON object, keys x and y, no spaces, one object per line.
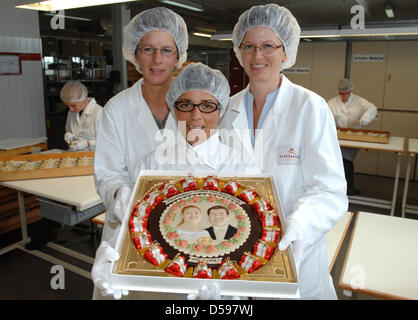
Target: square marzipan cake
{"x":181,"y":231}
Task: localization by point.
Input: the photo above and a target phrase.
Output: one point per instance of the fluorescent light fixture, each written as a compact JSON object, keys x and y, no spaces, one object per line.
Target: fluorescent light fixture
{"x":222,"y":36}
{"x":389,"y":11}
{"x":186,"y":4}
{"x":66,"y":16}
{"x":199,"y":34}
{"x":367,"y":32}
{"x":50,"y":5}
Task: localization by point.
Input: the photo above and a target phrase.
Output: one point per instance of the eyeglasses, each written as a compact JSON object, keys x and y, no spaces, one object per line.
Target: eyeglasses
{"x":187,"y":106}
{"x":167,"y":52}
{"x":264,"y":48}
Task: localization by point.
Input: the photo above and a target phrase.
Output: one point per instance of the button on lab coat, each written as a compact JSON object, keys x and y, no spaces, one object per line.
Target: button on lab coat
{"x":298,"y":146}
{"x":84,"y":127}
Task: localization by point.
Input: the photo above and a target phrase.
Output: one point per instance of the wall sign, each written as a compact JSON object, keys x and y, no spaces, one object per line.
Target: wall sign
{"x":304,"y":70}
{"x":10,"y":64}
{"x":369,"y":57}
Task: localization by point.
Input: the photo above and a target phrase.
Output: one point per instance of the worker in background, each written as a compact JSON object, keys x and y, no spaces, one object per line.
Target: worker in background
{"x":83,"y":117}
{"x":350,"y":111}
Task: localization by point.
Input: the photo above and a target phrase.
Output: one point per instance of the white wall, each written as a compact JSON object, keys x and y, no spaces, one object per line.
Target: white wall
{"x":22,"y":112}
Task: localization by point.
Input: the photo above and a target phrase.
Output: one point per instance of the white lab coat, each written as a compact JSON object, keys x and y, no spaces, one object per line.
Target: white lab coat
{"x":300,"y":149}
{"x":84,"y":127}
{"x":349,"y":114}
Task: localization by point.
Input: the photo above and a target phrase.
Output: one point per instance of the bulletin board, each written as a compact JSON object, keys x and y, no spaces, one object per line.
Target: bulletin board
{"x":10,"y":64}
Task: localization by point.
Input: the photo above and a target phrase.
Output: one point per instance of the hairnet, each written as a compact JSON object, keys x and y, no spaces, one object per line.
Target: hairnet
{"x":275,"y":17}
{"x":345,"y":85}
{"x":73,"y":91}
{"x":197,"y":76}
{"x":161,"y":19}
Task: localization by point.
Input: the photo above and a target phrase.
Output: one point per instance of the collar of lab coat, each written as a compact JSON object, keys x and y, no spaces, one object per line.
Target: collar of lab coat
{"x":208,"y":151}
{"x":280,"y":105}
{"x":89,"y":108}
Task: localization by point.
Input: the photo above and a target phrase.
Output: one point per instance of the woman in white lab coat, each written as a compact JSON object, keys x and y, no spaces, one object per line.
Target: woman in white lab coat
{"x":83,"y":117}
{"x":295,"y":140}
{"x":350,"y":111}
{"x":197,"y":98}
{"x":156,"y":42}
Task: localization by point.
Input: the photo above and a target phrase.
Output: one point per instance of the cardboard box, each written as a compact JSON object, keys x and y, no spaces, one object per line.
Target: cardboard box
{"x":276,"y":279}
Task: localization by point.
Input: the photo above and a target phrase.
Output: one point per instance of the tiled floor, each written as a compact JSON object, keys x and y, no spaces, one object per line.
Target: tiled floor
{"x":24,"y":276}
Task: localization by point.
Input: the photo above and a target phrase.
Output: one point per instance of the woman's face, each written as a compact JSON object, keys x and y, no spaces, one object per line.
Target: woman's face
{"x":77,"y":106}
{"x":258,"y":65}
{"x":195,"y":125}
{"x":191,"y":215}
{"x":157,"y":68}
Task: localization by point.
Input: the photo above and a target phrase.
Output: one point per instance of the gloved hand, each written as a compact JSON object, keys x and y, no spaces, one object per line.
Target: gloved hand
{"x":68,"y":137}
{"x":337,"y":119}
{"x":79,"y":145}
{"x":206,"y":292}
{"x":294,"y":234}
{"x":100,"y":272}
{"x":119,"y":205}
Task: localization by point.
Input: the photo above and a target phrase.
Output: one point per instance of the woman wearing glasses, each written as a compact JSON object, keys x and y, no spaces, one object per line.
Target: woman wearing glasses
{"x":295,"y":128}
{"x":156,"y":42}
{"x":197,"y":98}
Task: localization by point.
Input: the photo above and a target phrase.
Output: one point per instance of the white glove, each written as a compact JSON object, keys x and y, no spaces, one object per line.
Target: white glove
{"x":294,"y":234}
{"x":79,"y":145}
{"x":206,"y":292}
{"x":68,"y":137}
{"x":100,"y":272}
{"x":119,"y":205}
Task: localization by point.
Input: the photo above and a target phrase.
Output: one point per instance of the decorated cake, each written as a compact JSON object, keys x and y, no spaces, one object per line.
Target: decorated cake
{"x":204,"y":228}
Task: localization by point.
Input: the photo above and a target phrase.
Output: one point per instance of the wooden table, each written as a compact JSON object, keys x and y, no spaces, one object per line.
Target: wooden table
{"x":79,"y":191}
{"x":412,"y":151}
{"x":395,"y":145}
{"x":382,"y":259}
{"x":335,"y":238}
{"x":16,"y":146}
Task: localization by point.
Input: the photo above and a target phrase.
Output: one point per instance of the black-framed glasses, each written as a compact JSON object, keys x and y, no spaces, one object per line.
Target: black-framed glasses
{"x":149,"y":51}
{"x":188,"y":106}
{"x":266,"y":48}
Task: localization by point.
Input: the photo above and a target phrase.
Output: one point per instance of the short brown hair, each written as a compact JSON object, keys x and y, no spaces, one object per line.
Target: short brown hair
{"x":218,"y":207}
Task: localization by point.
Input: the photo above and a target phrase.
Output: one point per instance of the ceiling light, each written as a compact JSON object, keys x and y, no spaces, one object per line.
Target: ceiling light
{"x":50,"y":5}
{"x":186,"y":4}
{"x":66,"y":16}
{"x":367,"y":32}
{"x":199,"y":34}
{"x":222,"y":36}
{"x":389,"y":11}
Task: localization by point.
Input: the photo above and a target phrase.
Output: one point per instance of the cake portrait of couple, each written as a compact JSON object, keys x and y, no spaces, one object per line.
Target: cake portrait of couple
{"x":191,"y":227}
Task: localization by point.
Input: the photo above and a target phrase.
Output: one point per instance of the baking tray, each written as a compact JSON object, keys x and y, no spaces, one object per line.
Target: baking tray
{"x":376,"y":136}
{"x":29,"y":166}
{"x":276,"y":279}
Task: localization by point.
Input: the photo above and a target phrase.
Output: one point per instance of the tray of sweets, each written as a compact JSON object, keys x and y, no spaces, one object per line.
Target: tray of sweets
{"x":363,"y":135}
{"x":48,"y":165}
{"x":149,"y":263}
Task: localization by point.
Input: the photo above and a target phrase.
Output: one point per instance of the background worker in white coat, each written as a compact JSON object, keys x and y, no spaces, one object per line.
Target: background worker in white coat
{"x":83,"y":117}
{"x":156,"y":42}
{"x":296,"y":130}
{"x":350,"y":111}
{"x":197,"y":97}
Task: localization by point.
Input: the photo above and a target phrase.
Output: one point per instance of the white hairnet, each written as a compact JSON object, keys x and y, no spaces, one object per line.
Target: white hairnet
{"x":197,"y":76}
{"x":73,"y":91}
{"x":345,"y":85}
{"x":275,"y":17}
{"x":161,"y":19}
